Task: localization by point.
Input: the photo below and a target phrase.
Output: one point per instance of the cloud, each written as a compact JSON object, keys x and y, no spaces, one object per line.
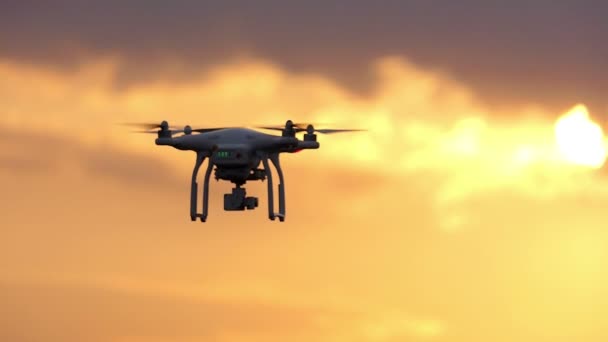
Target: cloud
{"x":68,"y":313}
{"x":87,"y":214}
{"x":421,"y":124}
{"x":159,"y":42}
{"x":46,"y":155}
{"x":72,"y":312}
{"x":368,"y":213}
{"x":397,"y":327}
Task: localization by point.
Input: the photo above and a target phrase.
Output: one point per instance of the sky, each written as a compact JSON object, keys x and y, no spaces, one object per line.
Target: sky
{"x":471,"y":209}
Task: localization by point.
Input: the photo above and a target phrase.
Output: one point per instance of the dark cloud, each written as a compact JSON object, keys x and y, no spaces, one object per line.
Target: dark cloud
{"x":21,"y":164}
{"x":47,"y":153}
{"x":541,"y":51}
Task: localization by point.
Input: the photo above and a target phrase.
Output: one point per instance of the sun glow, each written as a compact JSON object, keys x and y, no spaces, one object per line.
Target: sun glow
{"x":580,"y":141}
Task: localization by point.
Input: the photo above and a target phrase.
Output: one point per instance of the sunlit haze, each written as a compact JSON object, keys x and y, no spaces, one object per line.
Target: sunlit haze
{"x":457,"y":216}
{"x":580,"y":140}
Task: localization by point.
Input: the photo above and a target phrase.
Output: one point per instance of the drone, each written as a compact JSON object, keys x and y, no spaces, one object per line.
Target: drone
{"x":234,"y":154}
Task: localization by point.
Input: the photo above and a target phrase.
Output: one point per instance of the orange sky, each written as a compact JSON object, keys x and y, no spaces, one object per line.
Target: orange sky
{"x":445,"y":222}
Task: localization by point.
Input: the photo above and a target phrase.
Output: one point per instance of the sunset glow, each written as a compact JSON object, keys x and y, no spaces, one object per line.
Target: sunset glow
{"x":579,"y":139}
{"x":448,"y":220}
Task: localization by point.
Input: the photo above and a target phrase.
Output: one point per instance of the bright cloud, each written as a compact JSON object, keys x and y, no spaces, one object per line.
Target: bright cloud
{"x":429,"y":140}
{"x":419,"y":121}
{"x":580,"y":140}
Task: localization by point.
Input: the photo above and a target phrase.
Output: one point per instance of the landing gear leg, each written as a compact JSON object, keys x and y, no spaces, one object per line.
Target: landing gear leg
{"x":200,"y":158}
{"x":270,"y":189}
{"x":206,"y":191}
{"x":275,"y":161}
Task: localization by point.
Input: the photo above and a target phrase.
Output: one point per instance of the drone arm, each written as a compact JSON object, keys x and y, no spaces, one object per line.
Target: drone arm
{"x":270,"y":190}
{"x":206,"y":191}
{"x":308,"y":145}
{"x":275,"y":161}
{"x":200,"y":158}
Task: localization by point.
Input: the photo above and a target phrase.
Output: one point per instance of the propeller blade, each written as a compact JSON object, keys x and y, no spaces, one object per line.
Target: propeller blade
{"x":142,"y":125}
{"x":274,"y":128}
{"x":332,"y":131}
{"x":156,"y":132}
{"x":153,"y":127}
{"x":280,"y":129}
{"x":148,"y":132}
{"x":304,"y":125}
{"x":298,"y":127}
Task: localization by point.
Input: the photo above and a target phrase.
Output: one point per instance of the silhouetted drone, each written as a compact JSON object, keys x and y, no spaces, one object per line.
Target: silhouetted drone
{"x":236,"y":154}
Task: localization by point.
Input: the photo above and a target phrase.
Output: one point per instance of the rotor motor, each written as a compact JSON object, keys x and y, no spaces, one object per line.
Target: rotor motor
{"x":310,"y":134}
{"x":164,"y":131}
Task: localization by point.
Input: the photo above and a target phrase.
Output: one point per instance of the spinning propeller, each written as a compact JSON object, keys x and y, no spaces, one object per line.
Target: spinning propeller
{"x":148,"y":127}
{"x":289,"y":129}
{"x":306,"y":127}
{"x":165,"y":129}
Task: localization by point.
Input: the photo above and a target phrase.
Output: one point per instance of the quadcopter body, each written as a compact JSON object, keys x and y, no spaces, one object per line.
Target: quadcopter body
{"x":235,"y":155}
